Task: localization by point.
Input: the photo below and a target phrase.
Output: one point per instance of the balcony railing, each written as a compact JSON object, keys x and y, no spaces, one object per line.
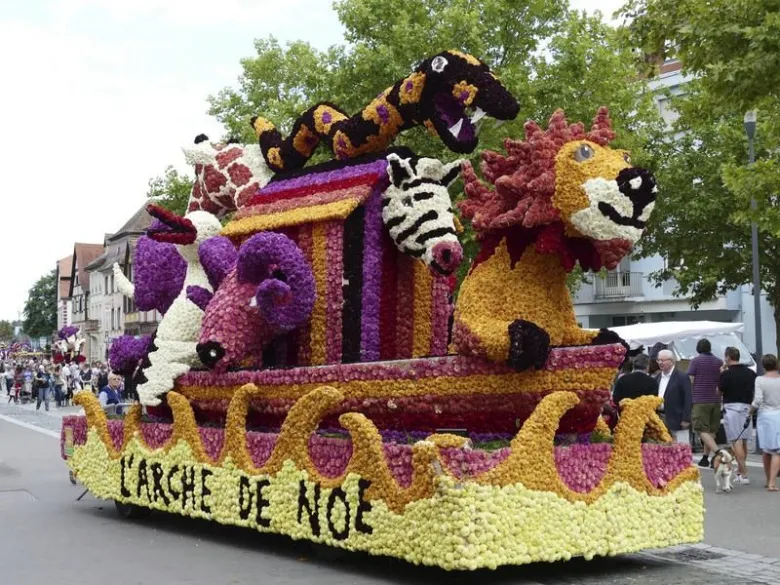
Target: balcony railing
{"x":618,"y":285}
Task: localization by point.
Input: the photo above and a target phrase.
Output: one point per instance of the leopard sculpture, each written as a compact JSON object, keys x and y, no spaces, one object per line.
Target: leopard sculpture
{"x":437,"y":94}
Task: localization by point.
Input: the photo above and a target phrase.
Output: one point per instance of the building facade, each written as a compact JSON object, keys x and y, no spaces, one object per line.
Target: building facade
{"x":64,"y":267}
{"x":79,"y":290}
{"x":116,"y":314}
{"x":626,"y":295}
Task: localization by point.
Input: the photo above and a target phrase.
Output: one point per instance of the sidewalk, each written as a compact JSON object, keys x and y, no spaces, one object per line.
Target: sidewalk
{"x":49,"y":421}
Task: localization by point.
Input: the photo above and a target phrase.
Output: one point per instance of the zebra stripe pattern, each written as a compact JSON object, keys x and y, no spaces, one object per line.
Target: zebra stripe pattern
{"x":417,"y":211}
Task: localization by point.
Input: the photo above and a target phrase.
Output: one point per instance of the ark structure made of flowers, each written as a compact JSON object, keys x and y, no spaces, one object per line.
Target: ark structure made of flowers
{"x":314,"y":379}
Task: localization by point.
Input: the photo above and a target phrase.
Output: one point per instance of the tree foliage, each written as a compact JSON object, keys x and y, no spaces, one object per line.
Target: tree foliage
{"x":733,"y":44}
{"x":40,"y":308}
{"x":6,"y":331}
{"x":703,"y":216}
{"x":701,"y":224}
{"x":170,"y":190}
{"x":548,"y":56}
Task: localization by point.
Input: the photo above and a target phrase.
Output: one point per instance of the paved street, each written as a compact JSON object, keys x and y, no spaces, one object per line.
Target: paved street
{"x":46,"y":536}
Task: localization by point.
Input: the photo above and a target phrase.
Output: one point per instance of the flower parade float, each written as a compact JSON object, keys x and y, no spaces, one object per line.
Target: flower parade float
{"x":338,"y":395}
{"x":68,"y":346}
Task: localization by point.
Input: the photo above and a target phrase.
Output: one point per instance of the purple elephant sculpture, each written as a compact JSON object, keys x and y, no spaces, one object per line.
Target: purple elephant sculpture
{"x":264,"y":289}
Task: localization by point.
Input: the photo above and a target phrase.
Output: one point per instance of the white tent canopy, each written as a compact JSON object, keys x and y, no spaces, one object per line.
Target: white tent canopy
{"x":648,"y":334}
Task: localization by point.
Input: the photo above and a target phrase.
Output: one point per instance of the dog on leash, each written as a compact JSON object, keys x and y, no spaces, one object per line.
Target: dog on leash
{"x":723,"y":466}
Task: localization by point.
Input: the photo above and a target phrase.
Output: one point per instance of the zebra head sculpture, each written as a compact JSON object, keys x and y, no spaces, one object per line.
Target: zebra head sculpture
{"x":417,"y":211}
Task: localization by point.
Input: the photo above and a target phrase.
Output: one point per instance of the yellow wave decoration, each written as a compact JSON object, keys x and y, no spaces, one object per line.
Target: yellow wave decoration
{"x":531,"y":461}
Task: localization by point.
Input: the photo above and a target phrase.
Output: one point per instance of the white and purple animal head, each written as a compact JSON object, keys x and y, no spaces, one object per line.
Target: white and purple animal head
{"x":417,"y":211}
{"x":264,"y":289}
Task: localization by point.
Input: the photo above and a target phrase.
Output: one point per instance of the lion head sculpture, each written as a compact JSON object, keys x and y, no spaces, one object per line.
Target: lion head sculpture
{"x":575,"y":195}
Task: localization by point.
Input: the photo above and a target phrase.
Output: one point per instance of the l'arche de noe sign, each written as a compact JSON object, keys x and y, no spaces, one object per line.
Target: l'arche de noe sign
{"x":231,"y":497}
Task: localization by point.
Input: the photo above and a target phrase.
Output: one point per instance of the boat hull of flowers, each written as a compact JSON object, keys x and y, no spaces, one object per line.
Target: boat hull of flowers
{"x":445,"y":500}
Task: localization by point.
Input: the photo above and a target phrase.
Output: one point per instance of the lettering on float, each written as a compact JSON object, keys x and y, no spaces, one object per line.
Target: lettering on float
{"x":309,"y":509}
{"x":175,"y":487}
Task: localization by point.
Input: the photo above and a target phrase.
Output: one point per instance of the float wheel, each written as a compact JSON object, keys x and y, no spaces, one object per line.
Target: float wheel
{"x":131,"y":511}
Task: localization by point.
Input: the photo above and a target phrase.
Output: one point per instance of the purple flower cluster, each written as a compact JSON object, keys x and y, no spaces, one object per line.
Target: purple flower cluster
{"x":159,"y":272}
{"x":67,"y":331}
{"x":127,"y":352}
{"x":378,"y":168}
{"x":218,"y":257}
{"x":372,"y":275}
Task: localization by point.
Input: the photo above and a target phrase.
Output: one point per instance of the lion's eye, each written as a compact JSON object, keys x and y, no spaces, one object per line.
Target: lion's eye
{"x":583,"y":153}
{"x":627,"y":158}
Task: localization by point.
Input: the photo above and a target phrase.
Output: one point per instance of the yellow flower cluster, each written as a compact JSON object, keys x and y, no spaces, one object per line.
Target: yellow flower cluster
{"x":457,"y":525}
{"x":300,"y":215}
{"x":423,"y":280}
{"x":532,"y":381}
{"x":496,"y":293}
{"x":319,"y":269}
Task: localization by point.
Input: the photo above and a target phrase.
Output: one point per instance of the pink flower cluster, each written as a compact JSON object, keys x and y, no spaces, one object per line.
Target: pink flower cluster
{"x":563,"y":358}
{"x":581,"y":467}
{"x":663,"y":462}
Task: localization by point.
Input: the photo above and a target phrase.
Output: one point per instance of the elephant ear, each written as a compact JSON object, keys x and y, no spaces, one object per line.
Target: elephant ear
{"x":285,"y":283}
{"x":218,"y":256}
{"x":159,"y":272}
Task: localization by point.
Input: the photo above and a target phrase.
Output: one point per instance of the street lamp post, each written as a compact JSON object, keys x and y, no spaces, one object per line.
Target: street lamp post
{"x":750,"y":130}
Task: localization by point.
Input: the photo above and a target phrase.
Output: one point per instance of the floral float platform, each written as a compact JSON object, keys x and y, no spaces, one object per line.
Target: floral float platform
{"x":443,"y":500}
{"x":369,"y":435}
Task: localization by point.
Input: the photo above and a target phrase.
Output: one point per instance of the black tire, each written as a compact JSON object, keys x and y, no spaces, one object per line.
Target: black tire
{"x":131,"y":511}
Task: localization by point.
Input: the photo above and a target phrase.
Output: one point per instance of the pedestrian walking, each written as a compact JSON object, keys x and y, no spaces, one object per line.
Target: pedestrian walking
{"x":9,"y":378}
{"x":675,"y":389}
{"x":43,"y":385}
{"x":86,"y":376}
{"x":736,"y":386}
{"x":704,"y":373}
{"x":58,"y":381}
{"x":767,"y":403}
{"x":637,"y":383}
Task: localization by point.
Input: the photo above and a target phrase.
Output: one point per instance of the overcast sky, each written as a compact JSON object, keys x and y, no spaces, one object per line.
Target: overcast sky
{"x":97,"y":96}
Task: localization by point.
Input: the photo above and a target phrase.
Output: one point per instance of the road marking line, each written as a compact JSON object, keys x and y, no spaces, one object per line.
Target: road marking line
{"x":13,"y":421}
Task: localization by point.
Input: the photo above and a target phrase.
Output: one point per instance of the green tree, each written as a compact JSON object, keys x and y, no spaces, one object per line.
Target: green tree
{"x":40,"y":308}
{"x":6,"y":331}
{"x":733,"y":44}
{"x":170,"y":190}
{"x":701,"y":223}
{"x":703,"y":216}
{"x":584,"y":66}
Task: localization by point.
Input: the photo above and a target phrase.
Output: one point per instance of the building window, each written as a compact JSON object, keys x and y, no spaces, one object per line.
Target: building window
{"x":112,"y":283}
{"x":119,"y":317}
{"x":106,"y":284}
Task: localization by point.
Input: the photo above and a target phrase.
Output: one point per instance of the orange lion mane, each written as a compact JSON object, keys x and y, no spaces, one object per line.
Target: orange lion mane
{"x":524,"y":179}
